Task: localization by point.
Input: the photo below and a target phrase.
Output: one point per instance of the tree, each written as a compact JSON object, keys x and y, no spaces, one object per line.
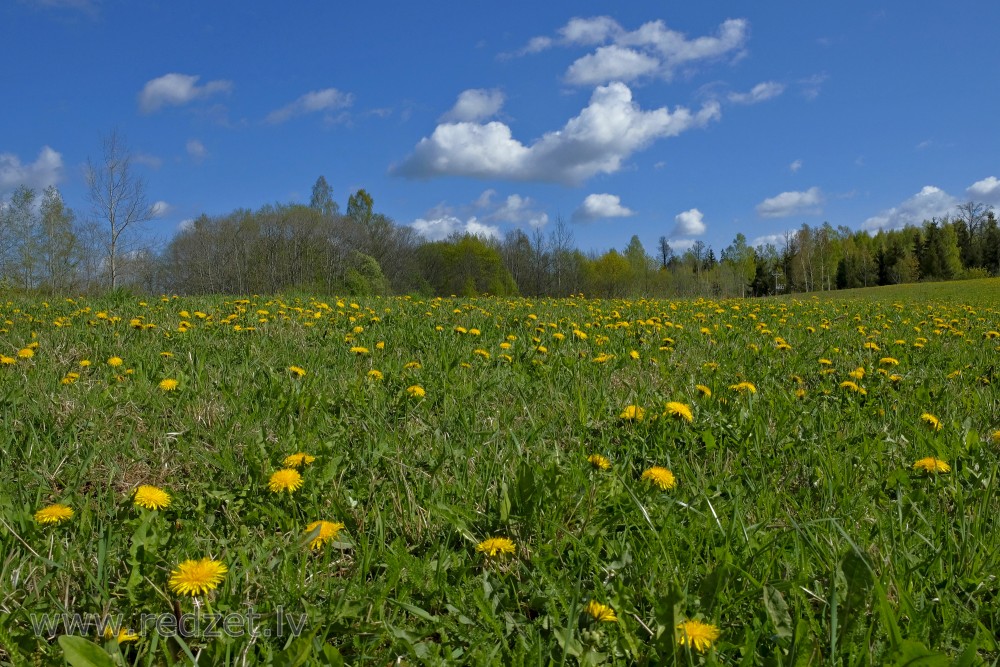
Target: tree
{"x":58,"y":244}
{"x":118,"y":198}
{"x":665,"y":252}
{"x":17,"y":230}
{"x":360,"y":207}
{"x":322,"y":198}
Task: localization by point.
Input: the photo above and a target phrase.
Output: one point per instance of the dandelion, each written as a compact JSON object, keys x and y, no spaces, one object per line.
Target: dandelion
{"x":416,"y":391}
{"x":703,"y":391}
{"x":297,"y":371}
{"x":933,"y":423}
{"x":661,"y":477}
{"x":286,"y":479}
{"x":825,"y":362}
{"x":858,"y":373}
{"x":359,"y":350}
{"x":853,"y":387}
{"x":888,"y":361}
{"x":7,"y":361}
{"x":115,"y":362}
{"x":325,"y":531}
{"x":603,"y":463}
{"x":932,"y":465}
{"x":84,"y":363}
{"x":298,"y":460}
{"x":375,"y":374}
{"x":632,"y":413}
{"x":601,"y":613}
{"x":124,"y":635}
{"x":56,"y":513}
{"x":697,"y":635}
{"x":679,"y":411}
{"x":168,"y":384}
{"x":872,"y":346}
{"x":495,"y":546}
{"x":151,"y":497}
{"x":634,"y":354}
{"x":196,"y":577}
{"x":744,"y":388}
{"x":412,"y":365}
{"x":26,"y":353}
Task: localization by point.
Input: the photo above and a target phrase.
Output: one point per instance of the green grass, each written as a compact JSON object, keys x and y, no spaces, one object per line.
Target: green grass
{"x":798,"y":525}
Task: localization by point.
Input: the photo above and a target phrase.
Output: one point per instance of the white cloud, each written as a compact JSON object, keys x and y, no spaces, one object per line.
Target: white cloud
{"x":596,"y":141}
{"x":147,"y":159}
{"x":196,"y":150}
{"x":177,"y":89}
{"x":690,"y":223}
{"x":792,"y":203}
{"x":776,"y":240}
{"x":795,"y":166}
{"x":485,"y":199}
{"x":161,"y":208}
{"x":185,"y":225}
{"x":930,"y":202}
{"x":651,"y":50}
{"x":474,"y":105}
{"x":441,"y":228}
{"x":681,"y":245}
{"x":589,"y":31}
{"x":611,"y":63}
{"x":518,"y":210}
{"x":599,"y":206}
{"x":987,"y":189}
{"x":46,"y":170}
{"x":759,"y":93}
{"x":327,"y":99}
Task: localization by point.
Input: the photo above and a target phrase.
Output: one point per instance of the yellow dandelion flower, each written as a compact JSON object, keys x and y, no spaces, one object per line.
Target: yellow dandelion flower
{"x":679,"y":411}
{"x":825,"y":362}
{"x":297,"y":371}
{"x":26,"y":353}
{"x":932,"y":465}
{"x":298,"y":460}
{"x":124,"y":635}
{"x":853,"y":387}
{"x":375,"y":374}
{"x":888,"y":361}
{"x":703,"y":390}
{"x":56,"y":513}
{"x":744,"y":388}
{"x":496,"y":546}
{"x":326,"y":531}
{"x":151,"y":497}
{"x":197,"y":577}
{"x":600,"y":462}
{"x":84,"y":363}
{"x":416,"y":391}
{"x":661,"y":477}
{"x":601,"y":613}
{"x":933,"y":423}
{"x":858,"y":373}
{"x":634,"y":354}
{"x":168,"y":384}
{"x":412,"y":365}
{"x":7,"y":361}
{"x":872,"y":346}
{"x":996,"y":436}
{"x":474,"y":332}
{"x":697,"y":635}
{"x":286,"y":479}
{"x":632,"y":413}
{"x":115,"y":362}
{"x":359,"y":350}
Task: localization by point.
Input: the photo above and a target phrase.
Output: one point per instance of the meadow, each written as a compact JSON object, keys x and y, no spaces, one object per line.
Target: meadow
{"x":788,"y":481}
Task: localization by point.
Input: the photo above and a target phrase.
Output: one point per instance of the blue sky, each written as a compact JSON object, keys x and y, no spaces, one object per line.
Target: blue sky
{"x":685,"y":120}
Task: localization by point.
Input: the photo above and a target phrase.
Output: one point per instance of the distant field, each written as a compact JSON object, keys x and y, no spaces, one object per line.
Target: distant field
{"x":986,"y":290}
{"x":803,"y":480}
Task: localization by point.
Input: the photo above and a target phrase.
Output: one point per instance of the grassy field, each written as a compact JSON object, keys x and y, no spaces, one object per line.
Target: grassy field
{"x":788,"y":481}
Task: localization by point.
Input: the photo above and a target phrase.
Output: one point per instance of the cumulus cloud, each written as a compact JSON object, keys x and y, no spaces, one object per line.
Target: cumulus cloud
{"x":196,"y":150}
{"x":795,"y":166}
{"x":176,"y":90}
{"x":161,"y":208}
{"x":652,"y":50}
{"x":759,"y":93}
{"x":328,"y":99}
{"x":147,"y":159}
{"x":690,"y":223}
{"x":438,"y":229}
{"x":474,"y":105}
{"x":987,"y":190}
{"x":46,"y":170}
{"x":776,"y":240}
{"x":930,"y":202}
{"x":792,"y":203}
{"x":596,"y":141}
{"x":600,"y":206}
{"x":518,"y":210}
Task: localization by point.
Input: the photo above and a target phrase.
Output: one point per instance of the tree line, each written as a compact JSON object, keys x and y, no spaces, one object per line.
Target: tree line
{"x":316,"y":248}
